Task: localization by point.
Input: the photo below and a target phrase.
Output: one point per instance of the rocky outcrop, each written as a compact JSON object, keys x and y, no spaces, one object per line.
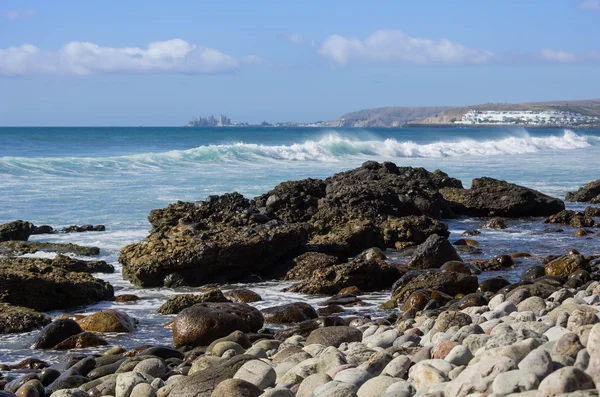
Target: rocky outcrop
{"x":78,"y":265}
{"x":293,"y":201}
{"x":83,"y":228}
{"x":42,"y":285}
{"x":17,"y":230}
{"x":492,"y":197}
{"x":201,"y":324}
{"x":589,"y":193}
{"x":177,"y":303}
{"x":229,"y":238}
{"x":14,"y":247}
{"x":224,"y":238}
{"x":309,"y":262}
{"x":16,"y":319}
{"x":375,"y":191}
{"x":450,"y":283}
{"x":365,"y":273}
{"x":571,"y":218}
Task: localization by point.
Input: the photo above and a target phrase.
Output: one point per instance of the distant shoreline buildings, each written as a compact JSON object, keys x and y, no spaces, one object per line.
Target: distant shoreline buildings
{"x":527,"y":117}
{"x":212,"y":121}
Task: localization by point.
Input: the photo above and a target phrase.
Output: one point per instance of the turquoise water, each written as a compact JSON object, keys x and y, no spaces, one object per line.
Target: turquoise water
{"x":115,"y":176}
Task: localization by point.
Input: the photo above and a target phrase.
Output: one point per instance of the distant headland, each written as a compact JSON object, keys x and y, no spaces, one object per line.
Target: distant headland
{"x":579,"y":114}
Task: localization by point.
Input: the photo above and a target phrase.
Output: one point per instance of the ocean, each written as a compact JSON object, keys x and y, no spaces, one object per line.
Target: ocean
{"x":115,"y":176}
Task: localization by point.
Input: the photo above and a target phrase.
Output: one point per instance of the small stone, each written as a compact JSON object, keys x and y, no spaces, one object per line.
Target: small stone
{"x":375,"y":387}
{"x":336,"y":389}
{"x":515,"y":381}
{"x":398,"y":367}
{"x":426,"y":376}
{"x":567,"y":345}
{"x":152,"y":366}
{"x":126,"y":382}
{"x":258,"y":373}
{"x":565,"y":380}
{"x":459,"y":355}
{"x":354,"y":376}
{"x":143,"y":390}
{"x":537,"y":362}
{"x":533,"y":304}
{"x":236,"y":388}
{"x":311,"y":382}
{"x":70,"y":393}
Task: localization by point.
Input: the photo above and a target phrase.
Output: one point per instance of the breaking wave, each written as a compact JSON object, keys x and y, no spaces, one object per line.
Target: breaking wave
{"x":331,"y":147}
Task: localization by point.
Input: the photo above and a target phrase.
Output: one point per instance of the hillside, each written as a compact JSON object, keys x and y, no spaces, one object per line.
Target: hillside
{"x":385,"y":117}
{"x":400,"y":116}
{"x":584,"y":107}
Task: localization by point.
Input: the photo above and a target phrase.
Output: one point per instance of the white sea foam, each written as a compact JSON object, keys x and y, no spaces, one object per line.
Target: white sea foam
{"x":331,"y":147}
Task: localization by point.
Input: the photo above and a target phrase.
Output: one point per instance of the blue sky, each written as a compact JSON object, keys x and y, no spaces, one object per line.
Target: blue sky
{"x":160,"y":63}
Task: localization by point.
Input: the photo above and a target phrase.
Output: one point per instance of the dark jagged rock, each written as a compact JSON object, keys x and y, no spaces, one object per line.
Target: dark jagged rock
{"x":224,"y":238}
{"x":433,"y":253}
{"x":177,"y":303}
{"x":56,"y":332}
{"x":43,"y":229}
{"x":495,"y":223}
{"x":572,"y":218}
{"x":415,"y":229}
{"x":201,"y":324}
{"x":83,"y":228}
{"x":293,"y":201}
{"x":592,"y":212}
{"x":492,"y":197}
{"x":497,"y":263}
{"x":347,"y":239}
{"x":589,"y":193}
{"x":307,"y":263}
{"x":493,"y":284}
{"x":81,"y":341}
{"x":17,"y":230}
{"x":450,"y":283}
{"x":77,"y":265}
{"x":374,"y":190}
{"x":39,"y":284}
{"x":31,"y":247}
{"x":367,"y":275}
{"x":16,"y":319}
{"x":290,"y":313}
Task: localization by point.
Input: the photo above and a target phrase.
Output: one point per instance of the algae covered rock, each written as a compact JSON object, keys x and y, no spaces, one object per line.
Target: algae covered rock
{"x":43,"y":285}
{"x":492,"y":197}
{"x":16,"y":319}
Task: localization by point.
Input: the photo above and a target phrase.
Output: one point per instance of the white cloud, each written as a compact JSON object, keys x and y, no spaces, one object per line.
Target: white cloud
{"x":295,"y":38}
{"x":84,"y":58}
{"x":255,"y":60}
{"x":13,"y":15}
{"x":558,"y":56}
{"x":590,"y":5}
{"x":393,"y":46}
{"x":569,"y":57}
